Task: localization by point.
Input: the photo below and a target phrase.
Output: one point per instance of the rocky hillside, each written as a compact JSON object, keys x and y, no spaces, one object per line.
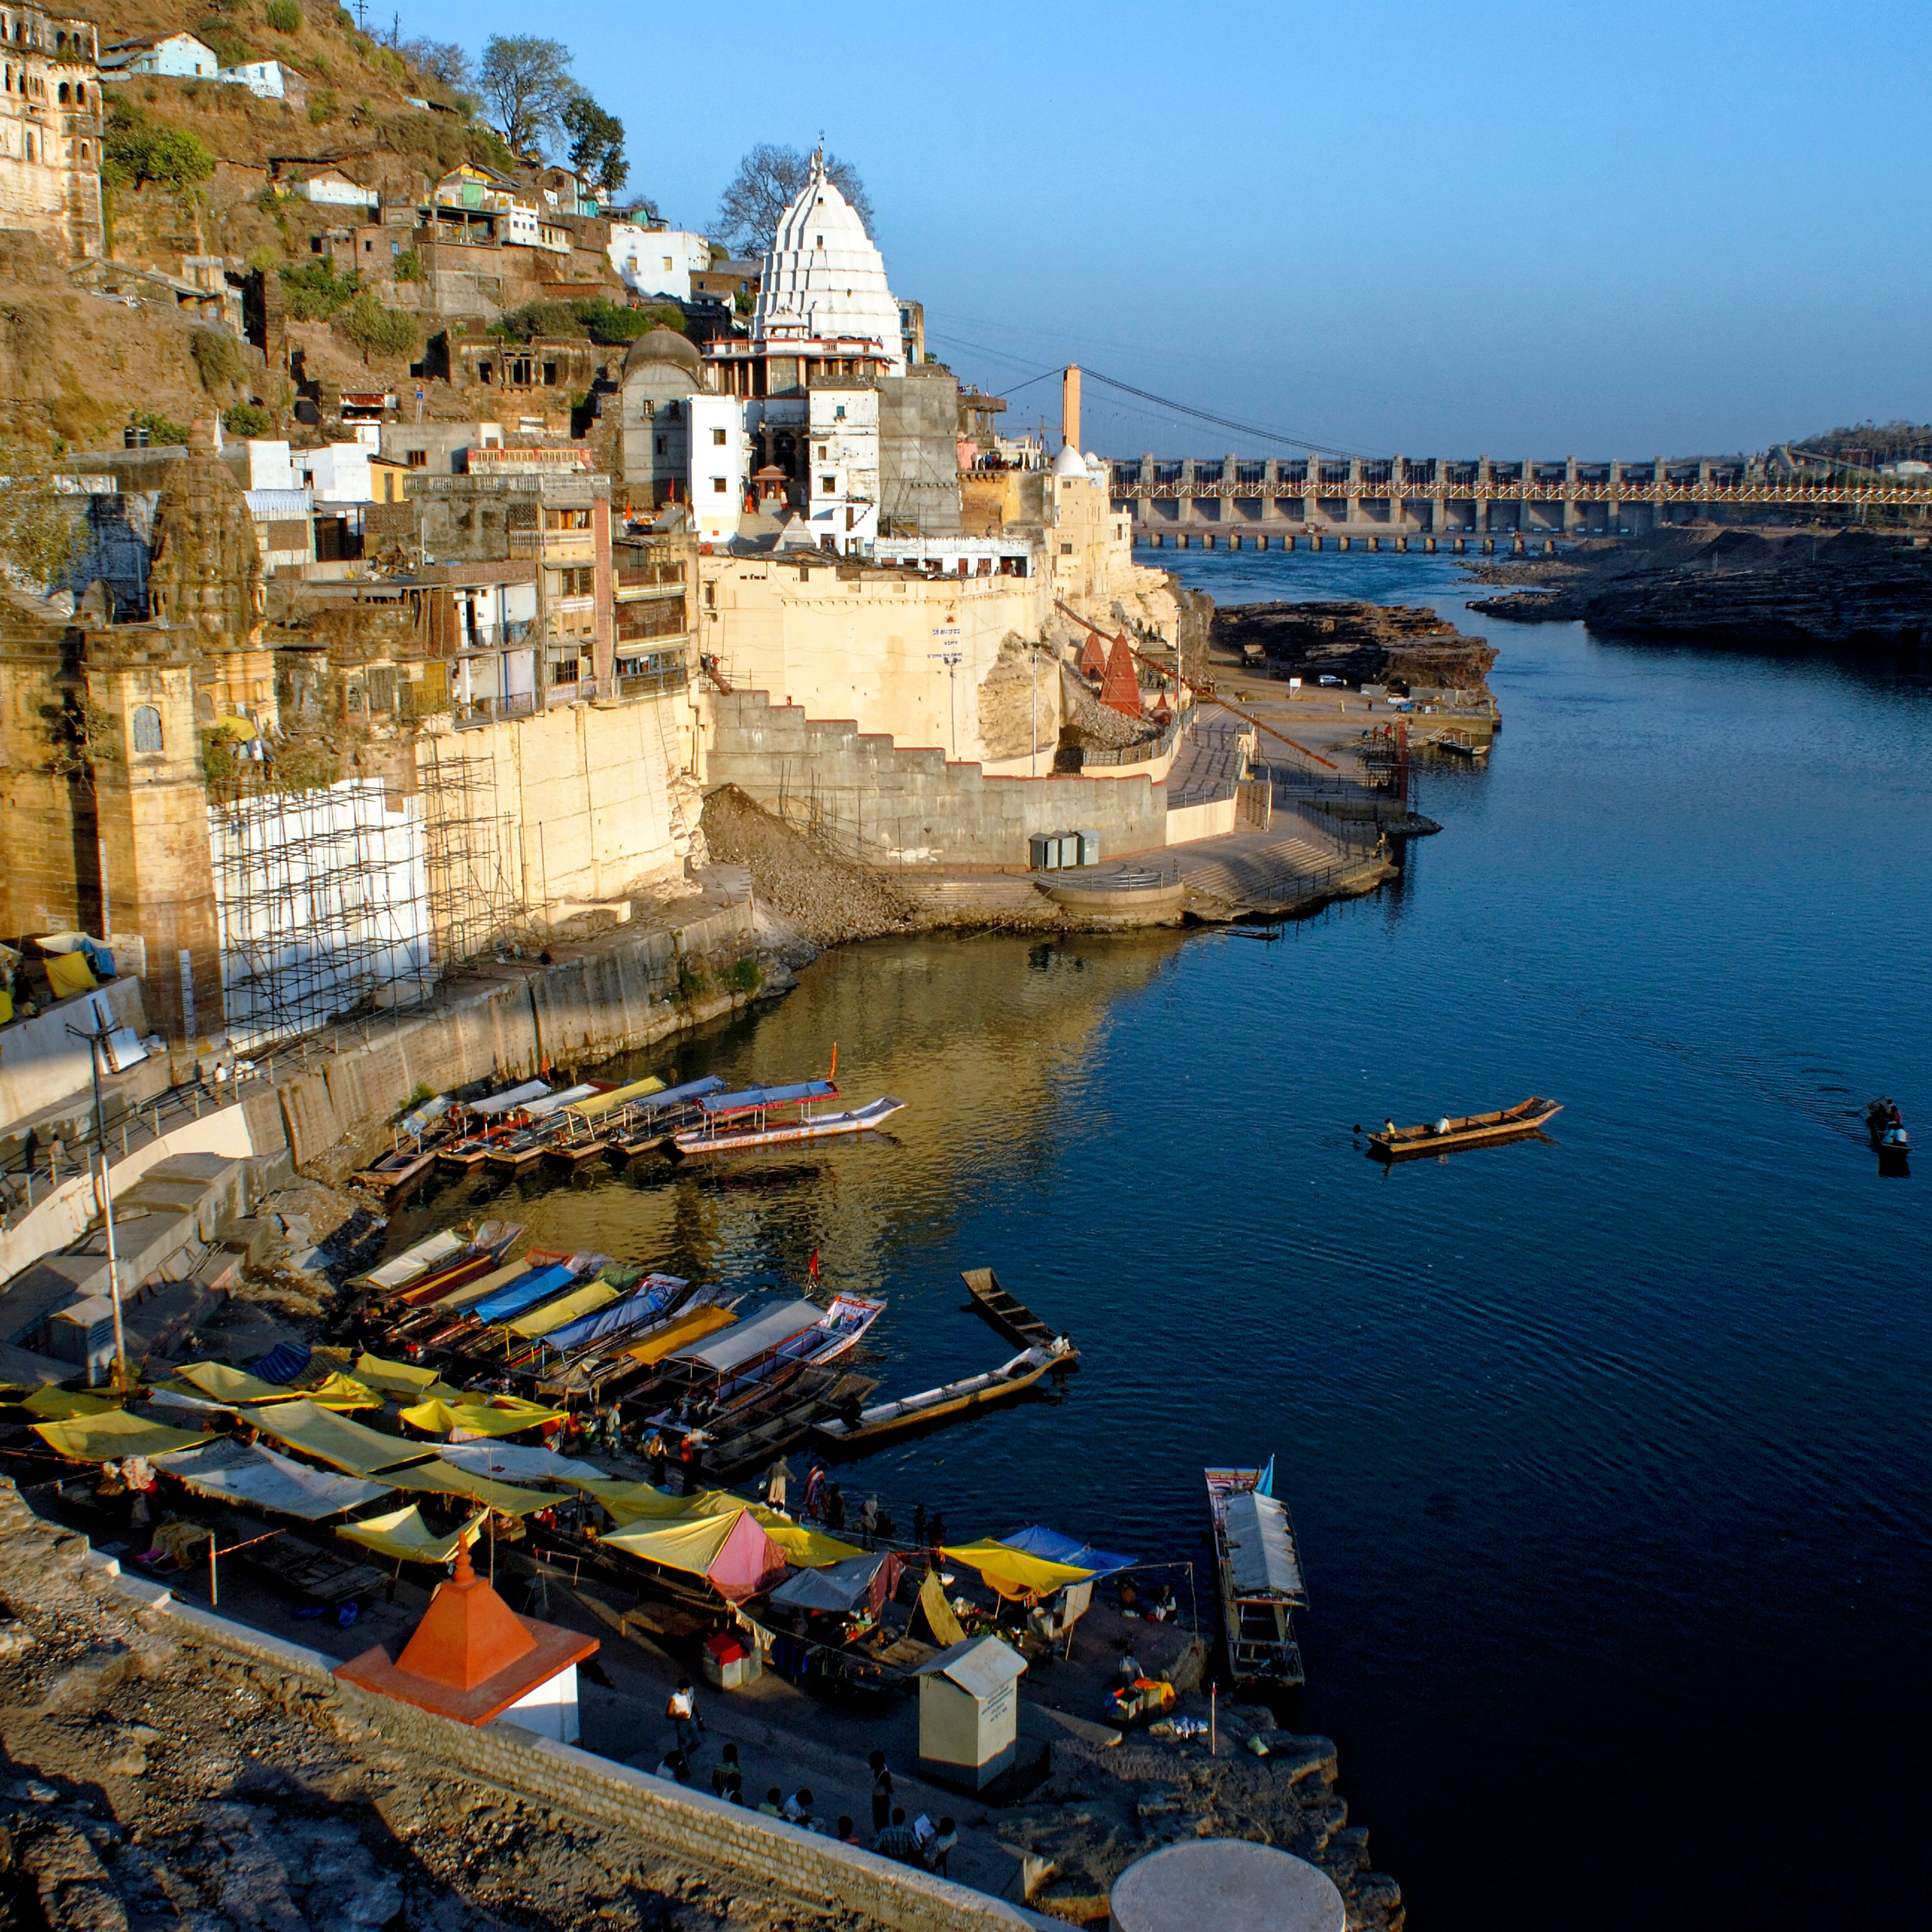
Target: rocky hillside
{"x":1360,"y":643}
{"x":1851,"y":590}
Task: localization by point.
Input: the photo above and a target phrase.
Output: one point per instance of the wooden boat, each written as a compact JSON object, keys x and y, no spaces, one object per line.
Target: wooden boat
{"x":637,"y":1126}
{"x":734,"y":1121}
{"x":1465,"y":1130}
{"x":1019,"y":1325}
{"x":1261,"y":1576}
{"x":910,"y":1411}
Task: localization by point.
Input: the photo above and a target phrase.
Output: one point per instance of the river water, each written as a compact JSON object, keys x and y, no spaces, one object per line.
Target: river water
{"x":1610,"y":1456}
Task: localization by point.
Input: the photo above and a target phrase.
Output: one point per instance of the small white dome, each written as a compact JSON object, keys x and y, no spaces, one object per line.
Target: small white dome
{"x":1069,"y":463}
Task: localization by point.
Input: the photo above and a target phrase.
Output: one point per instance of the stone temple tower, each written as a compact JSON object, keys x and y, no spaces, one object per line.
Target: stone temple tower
{"x":205,"y":576}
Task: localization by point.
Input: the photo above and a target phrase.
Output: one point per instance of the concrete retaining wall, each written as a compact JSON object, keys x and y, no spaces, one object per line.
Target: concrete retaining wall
{"x":903,"y":805}
{"x":613,"y":997}
{"x":765,"y":1850}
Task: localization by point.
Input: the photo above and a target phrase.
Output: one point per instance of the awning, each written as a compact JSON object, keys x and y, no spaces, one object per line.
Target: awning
{"x":334,"y":1438}
{"x":1040,"y":1541}
{"x":600,"y":1104}
{"x":747,"y":1098}
{"x":650,"y":1297}
{"x":58,"y":1404}
{"x":565,"y":1308}
{"x":752,"y":1336}
{"x":841,"y":1587}
{"x":418,"y":1260}
{"x":810,"y":1549}
{"x":397,"y":1379}
{"x":403,"y":1533}
{"x":523,"y":1293}
{"x":236,"y":1388}
{"x":511,"y":1096}
{"x":540,"y":1110}
{"x":518,"y":1462}
{"x":114,"y":1433}
{"x":500,"y":1415}
{"x":241,"y":1472}
{"x":465,"y":1293}
{"x":680,"y":1330}
{"x":641,"y":1502}
{"x":1012,"y":1572}
{"x":733,"y":1552}
{"x":1260,"y":1552}
{"x":437,"y":1477}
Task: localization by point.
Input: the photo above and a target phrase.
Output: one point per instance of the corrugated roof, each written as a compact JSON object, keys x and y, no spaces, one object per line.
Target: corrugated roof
{"x":281,"y":504}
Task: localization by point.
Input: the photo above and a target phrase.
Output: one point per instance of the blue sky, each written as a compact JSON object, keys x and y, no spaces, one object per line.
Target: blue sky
{"x":1442,"y":229}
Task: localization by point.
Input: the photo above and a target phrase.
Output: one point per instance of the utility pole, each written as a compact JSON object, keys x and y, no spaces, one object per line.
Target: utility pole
{"x":104,"y":1192}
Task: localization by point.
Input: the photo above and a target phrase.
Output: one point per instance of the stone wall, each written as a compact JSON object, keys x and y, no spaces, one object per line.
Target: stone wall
{"x":919,"y":453}
{"x":897,"y":805}
{"x":814,"y":1869}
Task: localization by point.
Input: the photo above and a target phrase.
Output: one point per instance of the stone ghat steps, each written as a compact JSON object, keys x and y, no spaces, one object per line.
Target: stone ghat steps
{"x":997,"y":892}
{"x":1266,"y":875}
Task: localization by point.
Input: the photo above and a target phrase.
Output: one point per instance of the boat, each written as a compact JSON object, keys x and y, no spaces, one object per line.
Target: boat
{"x":733,"y":1121}
{"x":1261,"y":1576}
{"x":1886,"y":1126}
{"x":1464,"y":1130}
{"x":638,"y":1125}
{"x":1019,"y":1325}
{"x":886,"y":1418}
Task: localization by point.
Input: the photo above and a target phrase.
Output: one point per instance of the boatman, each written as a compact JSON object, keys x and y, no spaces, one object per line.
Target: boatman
{"x":1442,"y":1125}
{"x":1388,"y":1126}
{"x":777,"y":1479}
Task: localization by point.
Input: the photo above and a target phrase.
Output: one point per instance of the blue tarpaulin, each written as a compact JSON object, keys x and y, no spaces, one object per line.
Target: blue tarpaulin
{"x":679,"y":1096}
{"x":282,"y":1363}
{"x":523,"y":1293}
{"x":652,"y":1294}
{"x":1040,"y":1541}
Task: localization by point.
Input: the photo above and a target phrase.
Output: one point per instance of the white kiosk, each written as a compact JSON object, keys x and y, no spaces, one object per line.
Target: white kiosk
{"x":969,"y":1708}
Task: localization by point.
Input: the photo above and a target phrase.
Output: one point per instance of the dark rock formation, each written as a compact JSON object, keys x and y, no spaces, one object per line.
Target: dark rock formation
{"x":1850,"y":590}
{"x":1360,"y":643}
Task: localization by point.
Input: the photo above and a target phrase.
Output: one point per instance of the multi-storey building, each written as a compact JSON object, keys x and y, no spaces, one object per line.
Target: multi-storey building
{"x":50,"y":123}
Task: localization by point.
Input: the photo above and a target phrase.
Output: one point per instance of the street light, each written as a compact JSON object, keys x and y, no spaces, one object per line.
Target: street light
{"x":96,"y":1042}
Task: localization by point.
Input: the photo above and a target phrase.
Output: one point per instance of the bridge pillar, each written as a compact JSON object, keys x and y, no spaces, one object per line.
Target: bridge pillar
{"x":1398,"y":507}
{"x":1616,"y":505}
{"x":1573,"y":519}
{"x":1354,"y":499}
{"x":1479,"y":522}
{"x":1659,"y":511}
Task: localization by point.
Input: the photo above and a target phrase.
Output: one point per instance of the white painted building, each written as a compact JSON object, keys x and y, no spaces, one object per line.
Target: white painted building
{"x":823,"y":279}
{"x":843,"y":508}
{"x":179,"y":54}
{"x":330,"y":189}
{"x":528,"y":230}
{"x":657,"y":261}
{"x":267,"y":80}
{"x":719,"y":468}
{"x":338,"y":472}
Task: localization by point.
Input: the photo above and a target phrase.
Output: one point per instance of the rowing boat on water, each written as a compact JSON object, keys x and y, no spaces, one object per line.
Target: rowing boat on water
{"x":733,"y":1121}
{"x":1009,"y":1378}
{"x":1462,"y":1130}
{"x":1007,"y":1313}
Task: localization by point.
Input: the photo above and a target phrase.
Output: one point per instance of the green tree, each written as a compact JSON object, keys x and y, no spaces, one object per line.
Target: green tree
{"x":40,"y":536}
{"x":247,"y":419}
{"x":443,"y":61}
{"x":596,"y":144}
{"x":767,"y":182}
{"x":136,"y":151}
{"x":375,"y":330}
{"x":313,"y":291}
{"x":163,"y":432}
{"x":525,"y":83}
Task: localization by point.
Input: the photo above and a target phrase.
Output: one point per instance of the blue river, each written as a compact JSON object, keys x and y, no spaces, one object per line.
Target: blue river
{"x":1610,"y":1455}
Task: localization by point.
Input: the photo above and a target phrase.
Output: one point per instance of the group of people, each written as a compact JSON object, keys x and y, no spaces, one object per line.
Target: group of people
{"x":918,"y":1843}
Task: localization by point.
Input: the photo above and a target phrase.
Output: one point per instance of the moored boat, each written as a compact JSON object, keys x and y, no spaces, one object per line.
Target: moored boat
{"x":733,"y":1121}
{"x":951,"y":1398}
{"x":1261,"y":1576}
{"x":1463,"y":1130}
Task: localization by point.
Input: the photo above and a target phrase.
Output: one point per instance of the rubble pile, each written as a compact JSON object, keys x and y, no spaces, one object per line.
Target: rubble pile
{"x":1360,"y":643}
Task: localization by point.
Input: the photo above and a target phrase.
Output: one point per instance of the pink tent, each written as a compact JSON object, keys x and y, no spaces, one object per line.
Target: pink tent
{"x":731,"y":1552}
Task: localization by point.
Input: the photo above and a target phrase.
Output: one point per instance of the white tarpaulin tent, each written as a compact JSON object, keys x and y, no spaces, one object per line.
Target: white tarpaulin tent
{"x":239,"y":1473}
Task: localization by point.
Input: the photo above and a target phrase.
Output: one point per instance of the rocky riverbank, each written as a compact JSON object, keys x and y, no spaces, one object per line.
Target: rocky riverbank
{"x":1851,"y":590}
{"x":1360,"y":643}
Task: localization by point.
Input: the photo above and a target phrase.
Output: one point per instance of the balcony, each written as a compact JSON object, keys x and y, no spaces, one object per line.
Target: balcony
{"x":494,"y":710}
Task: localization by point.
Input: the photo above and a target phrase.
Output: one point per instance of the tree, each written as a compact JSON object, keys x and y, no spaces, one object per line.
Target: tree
{"x":525,"y":83}
{"x":41,"y":538}
{"x":767,"y":182}
{"x":135,"y":151}
{"x":596,"y":144}
{"x":443,"y":61}
{"x":375,"y":330}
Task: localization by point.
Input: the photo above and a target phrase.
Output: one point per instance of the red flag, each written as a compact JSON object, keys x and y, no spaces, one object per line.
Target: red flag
{"x":815,"y":1263}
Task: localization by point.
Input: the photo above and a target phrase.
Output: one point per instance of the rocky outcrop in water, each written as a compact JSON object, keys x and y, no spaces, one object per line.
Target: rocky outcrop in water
{"x":1360,"y":643}
{"x":1852,"y":590}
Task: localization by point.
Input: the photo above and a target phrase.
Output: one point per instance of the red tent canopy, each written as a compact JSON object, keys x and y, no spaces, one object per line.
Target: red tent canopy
{"x":1120,"y":688}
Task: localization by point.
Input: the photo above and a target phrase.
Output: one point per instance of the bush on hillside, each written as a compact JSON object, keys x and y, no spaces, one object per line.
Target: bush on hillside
{"x":230,"y":49}
{"x":136,"y":151}
{"x":218,"y":358}
{"x":285,"y":17}
{"x":247,"y":419}
{"x":603,"y":321}
{"x":163,"y":432}
{"x":314,"y":292}
{"x":375,"y":330}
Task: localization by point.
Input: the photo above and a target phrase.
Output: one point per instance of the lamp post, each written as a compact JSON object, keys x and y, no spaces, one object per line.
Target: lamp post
{"x":103,"y":1191}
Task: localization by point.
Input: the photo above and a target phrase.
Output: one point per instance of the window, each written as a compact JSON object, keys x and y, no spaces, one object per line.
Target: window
{"x":828,"y":486}
{"x":667,"y":262}
{"x":718,"y":438}
{"x":550,"y":375}
{"x":718,"y":486}
{"x":566,"y":520}
{"x":661,"y":446}
{"x":147,"y":727}
{"x":416,"y":459}
{"x":1067,"y":550}
{"x":581,"y":582}
{"x":824,"y":451}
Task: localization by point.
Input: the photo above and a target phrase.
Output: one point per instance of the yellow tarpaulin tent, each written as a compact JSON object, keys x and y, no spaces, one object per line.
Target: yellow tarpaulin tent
{"x":488,"y":1284}
{"x":501,"y":1415}
{"x":618,"y":1096}
{"x":809,"y":1549}
{"x":437,"y":1477}
{"x":334,"y":1438}
{"x":403,"y":1533}
{"x":732,"y":1552}
{"x":220,"y":1383}
{"x":938,"y":1613}
{"x":69,"y":973}
{"x":1012,"y":1572}
{"x":634,"y":1502}
{"x":566,"y":1308}
{"x":686,"y":1328}
{"x":112,"y":1434}
{"x":399,"y":1378}
{"x":59,"y":1404}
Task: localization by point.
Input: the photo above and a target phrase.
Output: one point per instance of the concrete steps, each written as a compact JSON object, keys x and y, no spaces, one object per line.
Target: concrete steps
{"x":996,"y":892}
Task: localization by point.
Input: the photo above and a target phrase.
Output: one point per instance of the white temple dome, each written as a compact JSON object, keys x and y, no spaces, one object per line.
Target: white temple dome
{"x":1069,"y":463}
{"x":824,"y":278}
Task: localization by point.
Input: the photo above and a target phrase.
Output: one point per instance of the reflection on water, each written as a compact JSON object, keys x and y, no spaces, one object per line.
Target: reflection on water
{"x":1610,"y":1454}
